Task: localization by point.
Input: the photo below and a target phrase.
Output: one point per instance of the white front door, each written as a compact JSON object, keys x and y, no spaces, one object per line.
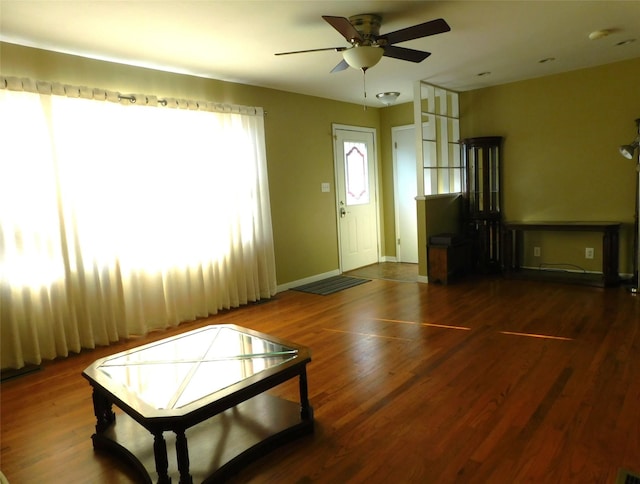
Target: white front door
{"x":405,"y":192}
{"x":356,"y":196}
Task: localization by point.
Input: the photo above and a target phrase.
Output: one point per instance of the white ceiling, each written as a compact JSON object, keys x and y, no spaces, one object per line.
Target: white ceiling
{"x":236,"y":40}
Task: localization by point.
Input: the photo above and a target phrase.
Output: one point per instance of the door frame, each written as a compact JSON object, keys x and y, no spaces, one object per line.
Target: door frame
{"x":337,"y":165}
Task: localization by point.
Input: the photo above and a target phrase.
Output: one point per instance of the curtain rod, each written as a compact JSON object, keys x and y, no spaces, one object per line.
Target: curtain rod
{"x":132,"y":99}
{"x":55,"y":88}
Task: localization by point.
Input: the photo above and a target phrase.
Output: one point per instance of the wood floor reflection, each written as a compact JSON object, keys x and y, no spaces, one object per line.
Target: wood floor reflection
{"x":392,"y":271}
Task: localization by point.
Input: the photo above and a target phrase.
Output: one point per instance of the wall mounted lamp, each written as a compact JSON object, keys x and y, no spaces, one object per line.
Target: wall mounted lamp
{"x":628,"y":150}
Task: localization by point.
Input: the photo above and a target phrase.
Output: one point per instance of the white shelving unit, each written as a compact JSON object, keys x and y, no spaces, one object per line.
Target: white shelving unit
{"x":437,"y":146}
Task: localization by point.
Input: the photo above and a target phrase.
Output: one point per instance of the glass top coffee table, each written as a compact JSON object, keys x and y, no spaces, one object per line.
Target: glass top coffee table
{"x":206,"y":390}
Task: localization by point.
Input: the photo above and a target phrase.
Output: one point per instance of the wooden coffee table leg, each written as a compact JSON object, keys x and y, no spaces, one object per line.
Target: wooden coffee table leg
{"x":305,"y":413}
{"x":182,"y":454}
{"x":102,"y":408}
{"x":162,"y":462}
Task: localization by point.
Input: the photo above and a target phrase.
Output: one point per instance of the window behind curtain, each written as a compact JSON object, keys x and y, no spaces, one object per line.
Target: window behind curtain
{"x":118,"y":219}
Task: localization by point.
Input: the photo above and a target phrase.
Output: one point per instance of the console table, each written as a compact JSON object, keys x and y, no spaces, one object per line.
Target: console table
{"x":201,"y":393}
{"x":512,"y":247}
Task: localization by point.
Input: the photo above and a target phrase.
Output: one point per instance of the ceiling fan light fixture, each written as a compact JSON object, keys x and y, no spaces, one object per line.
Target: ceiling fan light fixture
{"x":388,"y":98}
{"x":363,"y":56}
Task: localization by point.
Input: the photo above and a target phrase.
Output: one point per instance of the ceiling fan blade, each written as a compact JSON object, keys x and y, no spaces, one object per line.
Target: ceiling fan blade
{"x":403,"y":53}
{"x":342,"y":25}
{"x":336,"y":49}
{"x":432,"y":27}
{"x":342,"y":65}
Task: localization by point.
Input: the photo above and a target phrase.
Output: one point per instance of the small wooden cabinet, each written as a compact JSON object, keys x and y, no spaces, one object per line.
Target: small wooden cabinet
{"x":448,"y":262}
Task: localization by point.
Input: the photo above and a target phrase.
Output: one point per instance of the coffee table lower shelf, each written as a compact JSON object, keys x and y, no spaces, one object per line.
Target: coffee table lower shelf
{"x":218,"y":447}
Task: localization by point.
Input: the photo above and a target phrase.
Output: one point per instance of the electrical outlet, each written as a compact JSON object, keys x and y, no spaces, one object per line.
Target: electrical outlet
{"x":588,"y":253}
{"x":536,"y":251}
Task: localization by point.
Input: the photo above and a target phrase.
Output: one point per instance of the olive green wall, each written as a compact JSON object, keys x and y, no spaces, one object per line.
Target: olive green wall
{"x":560,"y":158}
{"x":298,"y":142}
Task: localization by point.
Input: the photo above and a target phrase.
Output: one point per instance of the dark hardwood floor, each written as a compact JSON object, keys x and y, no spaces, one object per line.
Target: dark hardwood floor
{"x":482,"y":381}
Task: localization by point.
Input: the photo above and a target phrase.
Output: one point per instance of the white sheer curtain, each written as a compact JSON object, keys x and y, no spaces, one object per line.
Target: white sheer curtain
{"x":118,"y":219}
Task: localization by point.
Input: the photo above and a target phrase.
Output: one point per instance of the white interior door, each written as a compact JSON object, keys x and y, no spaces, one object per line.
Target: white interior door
{"x":356,"y":196}
{"x":405,"y":192}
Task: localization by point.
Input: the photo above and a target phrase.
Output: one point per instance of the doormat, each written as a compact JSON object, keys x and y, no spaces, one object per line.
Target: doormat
{"x":626,"y":477}
{"x":330,"y":285}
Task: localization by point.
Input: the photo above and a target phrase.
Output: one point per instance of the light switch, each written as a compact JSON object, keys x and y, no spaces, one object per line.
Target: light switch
{"x":325,"y":187}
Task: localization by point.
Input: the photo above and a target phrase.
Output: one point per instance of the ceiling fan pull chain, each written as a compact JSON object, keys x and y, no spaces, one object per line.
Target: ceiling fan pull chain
{"x":364,"y":88}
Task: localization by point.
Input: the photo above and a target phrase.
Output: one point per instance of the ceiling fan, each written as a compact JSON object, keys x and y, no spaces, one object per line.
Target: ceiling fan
{"x":368,"y":46}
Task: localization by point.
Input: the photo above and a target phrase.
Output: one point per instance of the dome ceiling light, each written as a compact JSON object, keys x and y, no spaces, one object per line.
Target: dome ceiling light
{"x":388,"y":98}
